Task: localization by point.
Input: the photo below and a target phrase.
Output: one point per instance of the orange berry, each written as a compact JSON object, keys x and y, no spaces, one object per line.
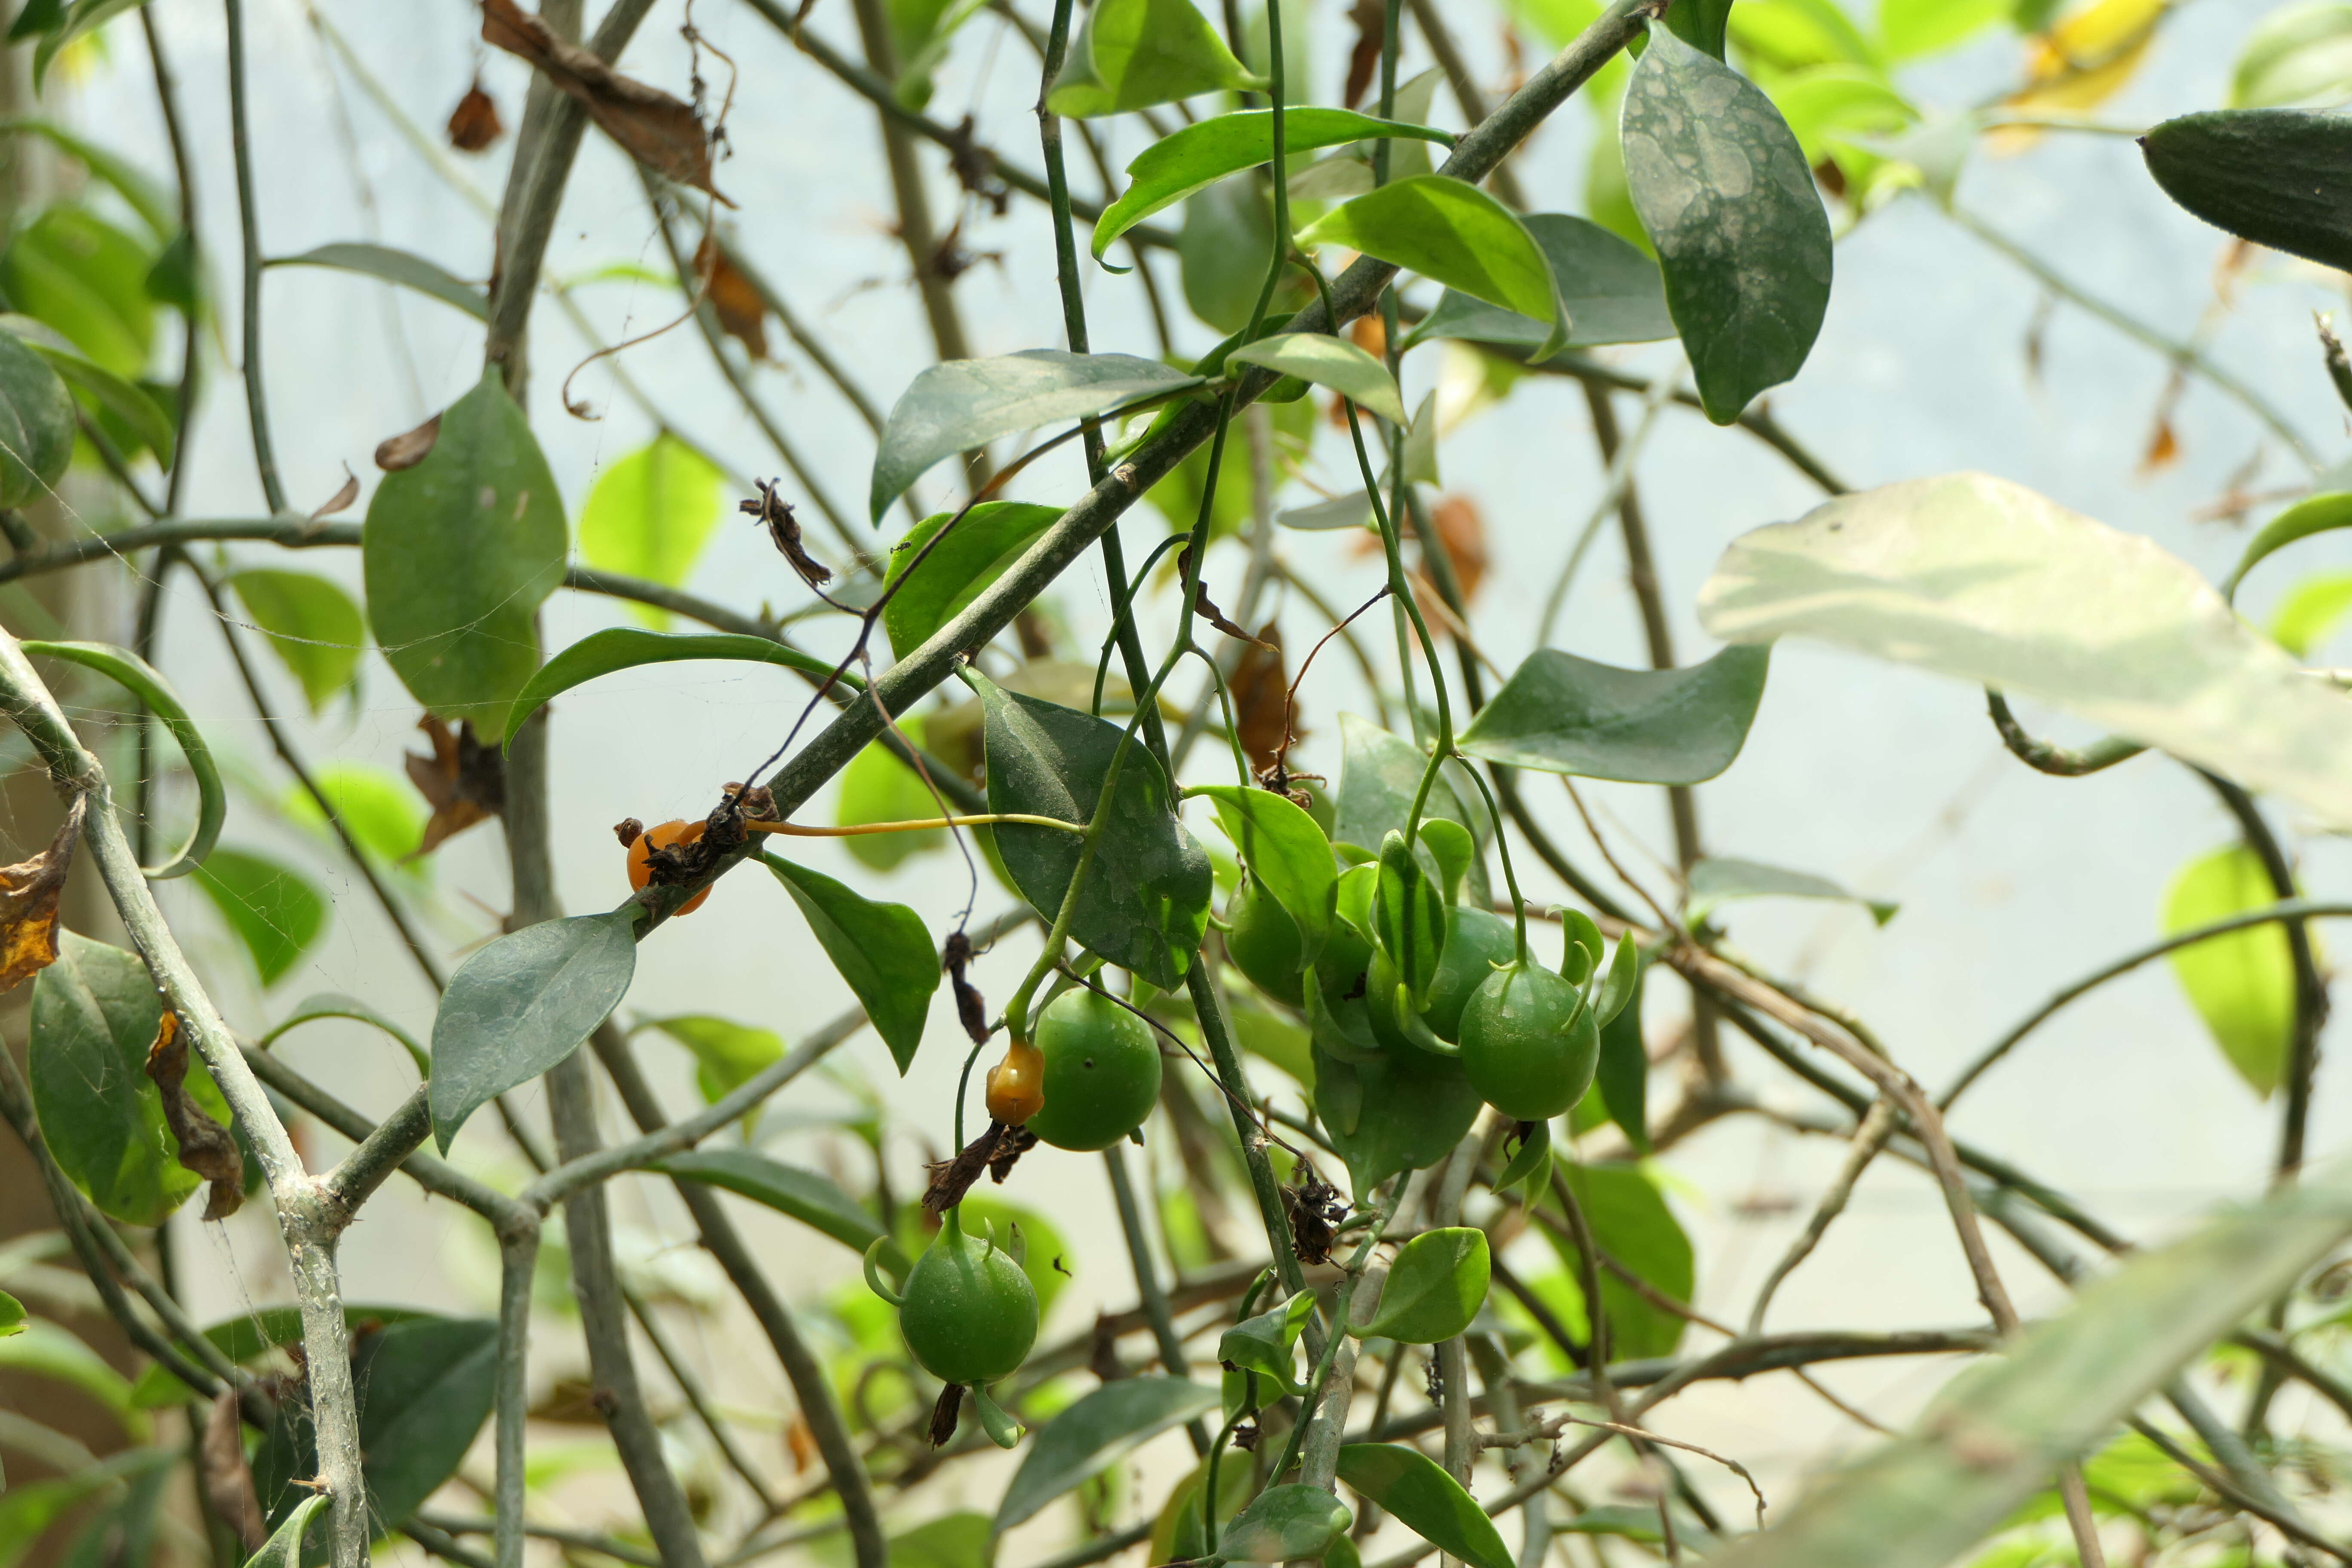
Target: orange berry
{"x":1016,"y":1086}
{"x":662,"y":838}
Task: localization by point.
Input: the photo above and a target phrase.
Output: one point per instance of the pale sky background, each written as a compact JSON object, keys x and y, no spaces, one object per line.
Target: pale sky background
{"x":2011,"y":883}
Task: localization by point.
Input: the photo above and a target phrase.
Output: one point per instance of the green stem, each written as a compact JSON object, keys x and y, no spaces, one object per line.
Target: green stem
{"x":257,"y":405}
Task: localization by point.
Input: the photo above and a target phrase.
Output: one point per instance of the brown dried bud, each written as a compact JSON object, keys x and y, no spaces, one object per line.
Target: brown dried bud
{"x":628,"y":830}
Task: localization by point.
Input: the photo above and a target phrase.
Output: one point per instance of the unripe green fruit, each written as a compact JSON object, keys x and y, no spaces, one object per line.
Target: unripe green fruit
{"x":1102,"y":1071}
{"x":1263,"y":943}
{"x":1529,"y":1043}
{"x":1477,"y":941}
{"x":968,"y":1313}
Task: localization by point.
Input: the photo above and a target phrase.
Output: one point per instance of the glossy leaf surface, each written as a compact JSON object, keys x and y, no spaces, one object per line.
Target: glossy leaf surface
{"x":1436,"y":1286}
{"x":931,"y":589}
{"x":459,"y":551}
{"x":1431,"y":1503}
{"x":1728,"y":201}
{"x":1613,"y":293}
{"x":95,"y":1013}
{"x":1331,"y":361}
{"x":2242,"y":982}
{"x":1450,"y":232}
{"x":1131,"y":54}
{"x":523,"y":1004}
{"x":1974,"y":577}
{"x":1146,"y":899}
{"x":1562,"y":715}
{"x":967,"y":403}
{"x":1201,"y":154}
{"x":882,"y":951}
{"x":626,"y":648}
{"x":310,"y":623}
{"x":1286,"y":852}
{"x":1093,"y":1433}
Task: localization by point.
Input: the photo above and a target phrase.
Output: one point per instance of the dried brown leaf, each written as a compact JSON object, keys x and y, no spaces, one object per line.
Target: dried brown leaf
{"x":227,"y":1479}
{"x":783,"y":528}
{"x":463,"y":780}
{"x":409,"y":448}
{"x":742,"y":313}
{"x":342,"y":497}
{"x":944,"y":1413}
{"x":205,"y":1146}
{"x":802,"y":1442}
{"x":658,"y":131}
{"x":1371,"y":17}
{"x":1261,"y":691}
{"x":474,"y":124}
{"x":1462,"y":530}
{"x":29,"y":891}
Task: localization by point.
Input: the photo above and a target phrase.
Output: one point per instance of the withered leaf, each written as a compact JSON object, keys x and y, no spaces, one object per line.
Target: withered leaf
{"x":227,"y":1479}
{"x":342,"y":497}
{"x":1371,"y":17}
{"x":1463,"y":531}
{"x":998,"y":1146}
{"x":784,"y":531}
{"x":658,"y":131}
{"x":463,"y":780}
{"x":474,"y":124}
{"x":742,"y":313}
{"x":949,"y":1407}
{"x":409,"y":448}
{"x":1261,"y":693}
{"x":205,"y":1146}
{"x":28,"y":903}
{"x":1204,"y":606}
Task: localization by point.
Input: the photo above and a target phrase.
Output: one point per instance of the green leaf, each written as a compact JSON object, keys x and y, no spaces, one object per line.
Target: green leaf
{"x":1562,"y":715}
{"x":626,"y":648}
{"x":927,"y":52}
{"x":1329,"y":362}
{"x":1094,"y":1433}
{"x":284,"y":1547}
{"x":108,"y":395}
{"x":459,"y":551}
{"x":1530,"y":1163}
{"x":2309,"y":613}
{"x":311,"y":626}
{"x":1611,"y":291}
{"x":1828,"y":108}
{"x":2242,"y":984}
{"x":1700,"y":23}
{"x":380,"y":810}
{"x":804,"y":1196}
{"x":523,"y":1004}
{"x":1436,"y":1286}
{"x":12,"y":1315}
{"x":85,"y":16}
{"x":1395,"y":1110}
{"x":2322,"y":513}
{"x":29,"y":1511}
{"x":1292,"y":1522}
{"x":74,"y":271}
{"x":1631,"y":1224}
{"x":981,"y":547}
{"x":1146,"y":899}
{"x":650,"y":514}
{"x":877,"y":787}
{"x":46,"y":1350}
{"x":1197,"y":156}
{"x":1408,"y":919}
{"x":881,"y":950}
{"x":144,"y":195}
{"x":1268,"y":1342}
{"x":2297,"y":54}
{"x":1720,"y":878}
{"x":1728,"y":201}
{"x":37,"y":424}
{"x":2280,"y":177}
{"x":425,"y":1387}
{"x":1132,"y":54}
{"x":1974,"y":578}
{"x":134,"y":674}
{"x":1221,"y":253}
{"x":389,"y":264}
{"x":1379,"y":773}
{"x":1428,"y":1501}
{"x":967,"y":403}
{"x":95,"y":1013}
{"x":273,"y":910}
{"x":1450,"y":232}
{"x":1285,"y":850}
{"x":1910,"y":29}
{"x":726,"y":1055}
{"x":251,"y":1335}
{"x":1623,"y":1080}
{"x":1999,"y":1431}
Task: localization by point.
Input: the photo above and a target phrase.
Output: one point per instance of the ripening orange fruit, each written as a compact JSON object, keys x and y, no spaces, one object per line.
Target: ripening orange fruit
{"x":1016,"y":1086}
{"x":662,"y":838}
